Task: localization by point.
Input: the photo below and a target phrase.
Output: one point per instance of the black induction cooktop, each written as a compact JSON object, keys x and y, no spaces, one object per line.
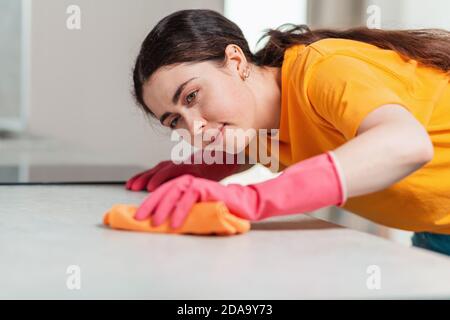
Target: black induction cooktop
{"x":67,"y":174}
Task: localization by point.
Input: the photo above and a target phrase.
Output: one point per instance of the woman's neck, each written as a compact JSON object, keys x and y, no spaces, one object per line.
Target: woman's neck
{"x":266,"y":86}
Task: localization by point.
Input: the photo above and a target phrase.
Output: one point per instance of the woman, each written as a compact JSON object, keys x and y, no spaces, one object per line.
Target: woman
{"x":363,"y":118}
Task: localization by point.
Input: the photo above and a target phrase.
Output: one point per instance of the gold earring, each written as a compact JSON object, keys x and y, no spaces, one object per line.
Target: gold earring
{"x":247,"y":73}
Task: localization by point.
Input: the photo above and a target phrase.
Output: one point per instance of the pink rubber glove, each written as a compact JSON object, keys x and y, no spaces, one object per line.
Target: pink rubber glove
{"x":167,"y":170}
{"x":311,"y":184}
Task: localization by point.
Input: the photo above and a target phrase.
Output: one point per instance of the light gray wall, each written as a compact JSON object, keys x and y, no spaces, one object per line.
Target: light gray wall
{"x":401,"y":14}
{"x":413,"y":14}
{"x":80,"y":80}
{"x":10,"y":58}
{"x":334,"y":14}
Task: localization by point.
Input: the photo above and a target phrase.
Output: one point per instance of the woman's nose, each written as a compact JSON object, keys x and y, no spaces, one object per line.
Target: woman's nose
{"x":196,"y":126}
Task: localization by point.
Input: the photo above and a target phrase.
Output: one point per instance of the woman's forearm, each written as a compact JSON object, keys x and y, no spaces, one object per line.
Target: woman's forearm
{"x":382,"y":156}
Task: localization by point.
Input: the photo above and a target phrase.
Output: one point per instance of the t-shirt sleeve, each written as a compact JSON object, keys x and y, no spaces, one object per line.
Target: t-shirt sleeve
{"x":343,"y":90}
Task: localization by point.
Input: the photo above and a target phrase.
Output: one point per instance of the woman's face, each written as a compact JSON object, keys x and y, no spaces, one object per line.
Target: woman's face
{"x":210,"y":103}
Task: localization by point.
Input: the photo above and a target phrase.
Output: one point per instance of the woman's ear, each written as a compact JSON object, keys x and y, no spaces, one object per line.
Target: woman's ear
{"x":236,"y":60}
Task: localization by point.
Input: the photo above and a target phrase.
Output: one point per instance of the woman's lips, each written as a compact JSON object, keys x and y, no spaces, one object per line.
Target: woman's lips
{"x":220,"y":133}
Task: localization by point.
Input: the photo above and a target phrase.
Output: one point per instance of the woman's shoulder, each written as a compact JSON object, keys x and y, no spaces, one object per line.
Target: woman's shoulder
{"x":327,"y":47}
{"x":330,"y":46}
{"x":306,"y":55}
{"x":336,"y":56}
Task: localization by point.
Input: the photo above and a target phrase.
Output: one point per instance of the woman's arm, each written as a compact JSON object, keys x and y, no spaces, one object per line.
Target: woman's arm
{"x":390,"y":145}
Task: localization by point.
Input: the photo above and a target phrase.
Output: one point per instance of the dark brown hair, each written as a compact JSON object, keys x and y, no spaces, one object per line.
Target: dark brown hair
{"x":190,"y":36}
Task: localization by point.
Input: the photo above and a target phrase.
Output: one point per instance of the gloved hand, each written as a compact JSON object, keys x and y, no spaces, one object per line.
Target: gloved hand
{"x":305,"y":186}
{"x":167,"y":170}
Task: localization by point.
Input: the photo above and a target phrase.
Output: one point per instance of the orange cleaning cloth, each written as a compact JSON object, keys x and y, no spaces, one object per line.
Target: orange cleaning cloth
{"x":204,"y":218}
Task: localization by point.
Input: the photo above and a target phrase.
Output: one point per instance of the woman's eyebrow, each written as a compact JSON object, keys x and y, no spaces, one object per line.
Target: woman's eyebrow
{"x":176,"y":96}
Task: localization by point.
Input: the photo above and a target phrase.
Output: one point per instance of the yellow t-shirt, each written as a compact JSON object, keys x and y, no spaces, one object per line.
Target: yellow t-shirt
{"x":330,"y":86}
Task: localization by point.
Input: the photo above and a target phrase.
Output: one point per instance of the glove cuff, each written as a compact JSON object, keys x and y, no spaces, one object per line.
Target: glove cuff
{"x":311,"y":184}
{"x":341,"y":178}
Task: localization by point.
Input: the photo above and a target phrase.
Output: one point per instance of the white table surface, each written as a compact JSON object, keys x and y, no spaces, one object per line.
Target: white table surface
{"x":46,"y":228}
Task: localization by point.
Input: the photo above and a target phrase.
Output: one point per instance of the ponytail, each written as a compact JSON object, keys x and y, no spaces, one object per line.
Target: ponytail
{"x":430,"y":47}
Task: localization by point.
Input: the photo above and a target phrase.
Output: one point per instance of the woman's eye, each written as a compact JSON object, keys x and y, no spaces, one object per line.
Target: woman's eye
{"x":191,"y":96}
{"x":173,"y":123}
